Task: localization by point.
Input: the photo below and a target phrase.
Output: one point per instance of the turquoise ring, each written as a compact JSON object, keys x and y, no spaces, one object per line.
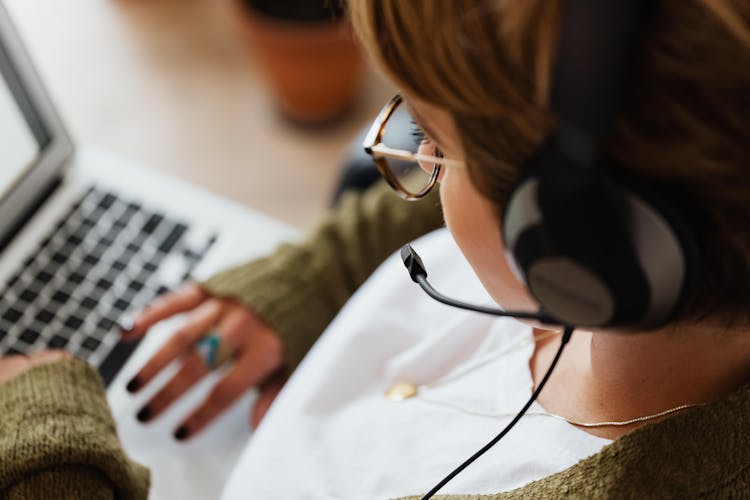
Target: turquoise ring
{"x":208,"y":349}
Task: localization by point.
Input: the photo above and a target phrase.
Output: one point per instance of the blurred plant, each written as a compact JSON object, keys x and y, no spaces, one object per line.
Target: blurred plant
{"x":308,"y":53}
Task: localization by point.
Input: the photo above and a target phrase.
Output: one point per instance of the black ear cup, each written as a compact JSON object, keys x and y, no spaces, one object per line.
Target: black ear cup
{"x":596,"y":251}
{"x":594,"y":248}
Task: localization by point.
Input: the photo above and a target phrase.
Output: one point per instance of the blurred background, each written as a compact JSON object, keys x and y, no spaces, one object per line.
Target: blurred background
{"x":209,"y":91}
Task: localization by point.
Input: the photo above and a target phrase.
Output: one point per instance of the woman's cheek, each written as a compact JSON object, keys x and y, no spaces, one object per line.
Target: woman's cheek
{"x":472,"y":221}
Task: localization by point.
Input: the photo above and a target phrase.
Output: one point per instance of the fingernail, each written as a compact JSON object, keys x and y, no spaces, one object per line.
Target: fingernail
{"x":181,"y":433}
{"x":144,"y":414}
{"x":133,"y":385}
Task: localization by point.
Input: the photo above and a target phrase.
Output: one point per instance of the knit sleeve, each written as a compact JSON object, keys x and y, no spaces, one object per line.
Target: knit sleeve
{"x":300,"y":288}
{"x":58,"y":438}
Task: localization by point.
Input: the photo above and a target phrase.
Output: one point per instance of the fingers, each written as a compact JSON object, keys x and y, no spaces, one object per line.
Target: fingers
{"x":268,"y":393}
{"x":263,"y":357}
{"x":200,"y":320}
{"x":48,"y":356}
{"x":186,"y":298}
{"x":12,"y":366}
{"x":194,"y":368}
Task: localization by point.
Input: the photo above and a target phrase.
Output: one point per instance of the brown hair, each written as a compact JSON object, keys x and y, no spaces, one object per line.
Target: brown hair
{"x":685,"y":119}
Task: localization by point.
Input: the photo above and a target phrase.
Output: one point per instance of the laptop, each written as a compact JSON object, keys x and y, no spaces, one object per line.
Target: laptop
{"x":87,"y":240}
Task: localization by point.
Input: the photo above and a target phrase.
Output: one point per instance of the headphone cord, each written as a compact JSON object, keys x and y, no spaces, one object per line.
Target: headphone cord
{"x":565,"y":338}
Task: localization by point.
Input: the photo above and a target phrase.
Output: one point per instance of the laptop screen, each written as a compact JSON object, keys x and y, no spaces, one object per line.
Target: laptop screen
{"x":18,"y":147}
{"x":22,"y":136}
{"x":34,"y":146}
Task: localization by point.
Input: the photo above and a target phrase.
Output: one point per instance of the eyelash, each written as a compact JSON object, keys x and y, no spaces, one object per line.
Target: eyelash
{"x":420,"y":137}
{"x":417,"y":133}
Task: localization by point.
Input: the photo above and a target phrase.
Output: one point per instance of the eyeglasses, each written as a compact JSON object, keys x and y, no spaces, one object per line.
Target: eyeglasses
{"x":411,"y":172}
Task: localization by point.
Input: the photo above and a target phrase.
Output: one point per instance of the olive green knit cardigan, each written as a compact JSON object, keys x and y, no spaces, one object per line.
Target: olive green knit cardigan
{"x":58,"y":440}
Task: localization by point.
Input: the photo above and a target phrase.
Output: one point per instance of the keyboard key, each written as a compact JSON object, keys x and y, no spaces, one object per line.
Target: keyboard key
{"x":88,"y":303}
{"x":119,"y":265}
{"x":29,"y":336}
{"x":28,"y":295}
{"x":13,"y":280}
{"x":45,"y":316}
{"x":73,"y":322}
{"x":58,"y":257}
{"x":12,"y":315}
{"x":76,"y":278}
{"x":107,"y":201}
{"x":104,"y":284}
{"x":121,"y":305}
{"x":136,"y":286}
{"x":91,"y":343}
{"x":60,"y":297}
{"x":127,"y":214}
{"x":91,"y":259}
{"x":106,"y":324}
{"x":105,"y":242}
{"x":28,"y":261}
{"x":152,"y":223}
{"x":43,"y":276}
{"x":174,"y":236}
{"x":57,"y":342}
{"x":151,"y":266}
{"x":52,"y":267}
{"x":74,"y":240}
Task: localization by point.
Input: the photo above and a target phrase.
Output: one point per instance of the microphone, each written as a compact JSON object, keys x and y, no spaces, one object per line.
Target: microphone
{"x":418,"y":274}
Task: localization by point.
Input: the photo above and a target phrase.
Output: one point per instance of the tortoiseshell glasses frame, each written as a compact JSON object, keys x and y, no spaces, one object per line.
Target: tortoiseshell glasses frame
{"x":380,"y":154}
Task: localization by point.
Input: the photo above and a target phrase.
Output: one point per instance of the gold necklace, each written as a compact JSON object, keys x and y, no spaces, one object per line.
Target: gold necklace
{"x":402,"y":391}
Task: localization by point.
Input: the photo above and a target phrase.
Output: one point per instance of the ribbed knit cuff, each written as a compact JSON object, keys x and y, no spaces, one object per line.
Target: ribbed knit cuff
{"x":57,"y":415}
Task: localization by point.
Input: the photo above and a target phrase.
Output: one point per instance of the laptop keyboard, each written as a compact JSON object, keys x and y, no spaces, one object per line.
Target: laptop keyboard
{"x":105,"y":258}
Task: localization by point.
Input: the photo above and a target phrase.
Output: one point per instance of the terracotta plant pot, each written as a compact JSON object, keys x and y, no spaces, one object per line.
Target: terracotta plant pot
{"x":314,"y":67}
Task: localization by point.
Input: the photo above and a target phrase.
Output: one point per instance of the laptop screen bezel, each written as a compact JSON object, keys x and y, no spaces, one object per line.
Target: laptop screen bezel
{"x":52,"y":160}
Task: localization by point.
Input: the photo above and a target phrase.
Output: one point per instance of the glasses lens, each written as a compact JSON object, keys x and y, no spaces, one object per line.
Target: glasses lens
{"x":403,"y":134}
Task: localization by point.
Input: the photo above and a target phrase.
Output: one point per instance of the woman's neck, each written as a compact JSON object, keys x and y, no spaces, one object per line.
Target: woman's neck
{"x":607,"y":376}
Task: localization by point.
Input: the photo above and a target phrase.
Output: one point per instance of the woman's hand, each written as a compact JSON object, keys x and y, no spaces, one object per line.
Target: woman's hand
{"x":256,"y":351}
{"x":13,"y":366}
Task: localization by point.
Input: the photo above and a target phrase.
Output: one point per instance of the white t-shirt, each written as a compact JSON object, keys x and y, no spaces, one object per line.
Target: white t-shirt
{"x":332,"y":433}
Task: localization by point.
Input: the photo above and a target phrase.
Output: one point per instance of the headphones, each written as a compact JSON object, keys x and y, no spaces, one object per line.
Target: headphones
{"x":594,"y":245}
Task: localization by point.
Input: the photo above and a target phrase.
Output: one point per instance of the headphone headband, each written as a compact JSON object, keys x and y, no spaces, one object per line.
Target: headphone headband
{"x":592,"y":56}
{"x":575,"y":232}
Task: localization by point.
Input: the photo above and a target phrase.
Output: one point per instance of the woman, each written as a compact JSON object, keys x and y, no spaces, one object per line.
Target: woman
{"x":477,"y":76}
{"x":668,"y":406}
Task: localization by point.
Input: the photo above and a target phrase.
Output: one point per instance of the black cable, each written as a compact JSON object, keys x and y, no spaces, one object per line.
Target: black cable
{"x":422,"y":281}
{"x":565,"y":338}
{"x":418,"y":274}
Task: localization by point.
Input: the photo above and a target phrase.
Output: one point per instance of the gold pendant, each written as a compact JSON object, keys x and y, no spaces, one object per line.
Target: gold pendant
{"x":400,"y":391}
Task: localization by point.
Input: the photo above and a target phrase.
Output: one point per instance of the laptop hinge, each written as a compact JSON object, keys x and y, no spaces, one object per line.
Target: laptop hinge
{"x":29,"y":213}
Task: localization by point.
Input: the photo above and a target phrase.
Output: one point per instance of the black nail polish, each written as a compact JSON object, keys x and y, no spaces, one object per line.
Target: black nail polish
{"x":144,"y":414}
{"x":181,"y":433}
{"x":133,"y":385}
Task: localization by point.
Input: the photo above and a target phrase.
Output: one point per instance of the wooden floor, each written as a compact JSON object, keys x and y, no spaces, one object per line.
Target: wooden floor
{"x":172,"y":83}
